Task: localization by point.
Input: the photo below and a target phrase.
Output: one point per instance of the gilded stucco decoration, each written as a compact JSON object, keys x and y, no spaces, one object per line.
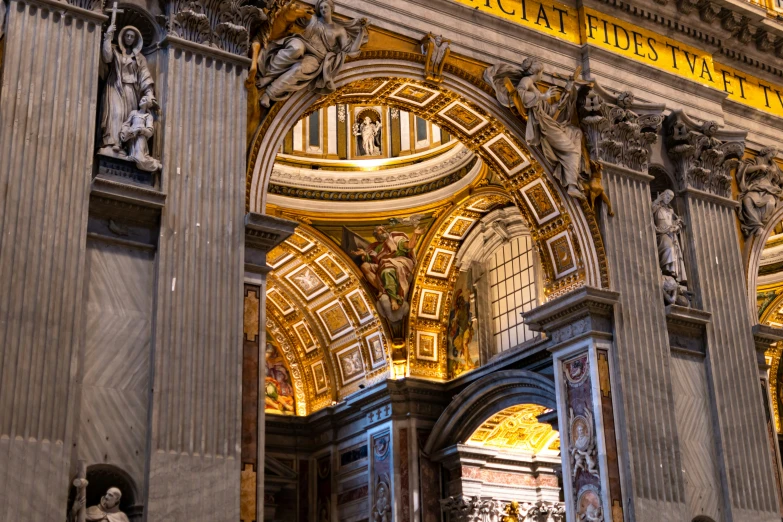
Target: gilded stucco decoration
{"x":321,"y":316}
{"x":517,"y":428}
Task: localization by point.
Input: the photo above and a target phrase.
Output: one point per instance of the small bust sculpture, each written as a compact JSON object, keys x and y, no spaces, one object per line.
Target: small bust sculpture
{"x":135,"y":132}
{"x":107,"y":511}
{"x":127,"y":80}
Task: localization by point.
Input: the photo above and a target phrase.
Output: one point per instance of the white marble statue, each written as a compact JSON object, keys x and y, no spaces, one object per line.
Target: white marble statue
{"x":668,"y":227}
{"x":107,"y":511}
{"x":135,"y":133}
{"x":369,"y":132}
{"x":761,"y":187}
{"x":548,"y":118}
{"x":311,"y":59}
{"x":127,"y":81}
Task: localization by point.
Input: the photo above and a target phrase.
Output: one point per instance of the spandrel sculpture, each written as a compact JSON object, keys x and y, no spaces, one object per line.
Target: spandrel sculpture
{"x":311,"y":59}
{"x":548,"y":118}
{"x":127,"y":81}
{"x":761,"y":187}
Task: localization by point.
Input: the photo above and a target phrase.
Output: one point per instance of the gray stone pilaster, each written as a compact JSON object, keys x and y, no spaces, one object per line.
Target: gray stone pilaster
{"x":48,"y":102}
{"x":704,"y":155}
{"x":716,"y":271}
{"x":194,"y":466}
{"x":653,"y":481}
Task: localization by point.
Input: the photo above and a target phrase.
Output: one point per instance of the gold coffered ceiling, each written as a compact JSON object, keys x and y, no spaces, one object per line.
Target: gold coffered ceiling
{"x":517,"y":429}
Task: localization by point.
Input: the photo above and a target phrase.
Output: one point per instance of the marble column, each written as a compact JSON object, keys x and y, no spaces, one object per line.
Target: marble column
{"x":652,"y":479}
{"x":580,"y":327}
{"x":48,"y":104}
{"x":716,"y":277}
{"x":194,"y":462}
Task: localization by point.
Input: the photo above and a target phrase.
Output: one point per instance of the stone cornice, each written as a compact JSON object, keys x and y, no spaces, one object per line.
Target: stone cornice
{"x":571,"y":307}
{"x":87,"y":10}
{"x":205,"y":50}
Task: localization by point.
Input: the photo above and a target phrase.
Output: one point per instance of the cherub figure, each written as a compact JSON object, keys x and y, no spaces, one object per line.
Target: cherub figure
{"x":135,"y":132}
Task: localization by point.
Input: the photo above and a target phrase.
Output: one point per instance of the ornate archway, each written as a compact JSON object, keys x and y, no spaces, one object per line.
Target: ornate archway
{"x":565,"y":229}
{"x":484,"y":398}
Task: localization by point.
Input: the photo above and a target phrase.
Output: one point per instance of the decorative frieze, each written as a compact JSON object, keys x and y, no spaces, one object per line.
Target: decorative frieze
{"x":702,"y":153}
{"x":462,"y":508}
{"x":618,"y":129}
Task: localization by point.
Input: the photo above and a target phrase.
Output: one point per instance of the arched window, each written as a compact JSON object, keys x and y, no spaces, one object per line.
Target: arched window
{"x":512,"y":280}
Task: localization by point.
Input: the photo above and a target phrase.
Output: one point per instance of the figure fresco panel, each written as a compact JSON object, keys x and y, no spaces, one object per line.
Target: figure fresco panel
{"x":462,"y":333}
{"x":279,"y":392}
{"x":386,"y":254}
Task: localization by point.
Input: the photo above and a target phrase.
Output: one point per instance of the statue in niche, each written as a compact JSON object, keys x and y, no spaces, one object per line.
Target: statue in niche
{"x":761,"y":187}
{"x":127,"y":81}
{"x":135,"y":132}
{"x":107,"y":511}
{"x":436,"y":49}
{"x":368,"y":133}
{"x":668,"y":227}
{"x":311,"y":59}
{"x":548,"y":118}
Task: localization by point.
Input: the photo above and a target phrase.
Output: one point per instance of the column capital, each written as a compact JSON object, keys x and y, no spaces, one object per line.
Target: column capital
{"x":215,"y":25}
{"x":703,"y":153}
{"x":619,"y":129}
{"x":582,"y":312}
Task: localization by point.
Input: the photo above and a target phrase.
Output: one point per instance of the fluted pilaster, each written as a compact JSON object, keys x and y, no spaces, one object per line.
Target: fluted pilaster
{"x":653,"y":477}
{"x":194,"y":469}
{"x":47,"y":126}
{"x":745,"y":462}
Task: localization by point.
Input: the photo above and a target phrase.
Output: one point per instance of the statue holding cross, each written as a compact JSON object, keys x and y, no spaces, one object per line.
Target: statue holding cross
{"x":128,"y":80}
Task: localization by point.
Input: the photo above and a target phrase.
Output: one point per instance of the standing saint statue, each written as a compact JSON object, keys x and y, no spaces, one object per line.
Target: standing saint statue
{"x":760,"y":182}
{"x":548,"y":118}
{"x":127,"y":81}
{"x":311,"y":59}
{"x":107,"y":511}
{"x":369,"y":133}
{"x":668,"y":226}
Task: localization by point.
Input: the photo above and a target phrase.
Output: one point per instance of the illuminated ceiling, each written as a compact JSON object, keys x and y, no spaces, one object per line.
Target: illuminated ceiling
{"x":517,"y":429}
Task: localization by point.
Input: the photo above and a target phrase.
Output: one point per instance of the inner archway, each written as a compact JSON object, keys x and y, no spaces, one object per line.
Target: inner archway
{"x":565,"y":230}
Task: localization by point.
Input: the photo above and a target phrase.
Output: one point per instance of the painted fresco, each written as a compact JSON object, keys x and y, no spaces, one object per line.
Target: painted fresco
{"x":386,"y":254}
{"x":462,"y":332}
{"x":278,"y":387}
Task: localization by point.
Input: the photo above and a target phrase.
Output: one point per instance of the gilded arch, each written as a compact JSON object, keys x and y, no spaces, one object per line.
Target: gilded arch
{"x":571,"y":245}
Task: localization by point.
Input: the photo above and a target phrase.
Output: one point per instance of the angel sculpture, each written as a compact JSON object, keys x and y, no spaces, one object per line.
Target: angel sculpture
{"x":311,"y":59}
{"x":761,"y":187}
{"x":548,"y":118}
